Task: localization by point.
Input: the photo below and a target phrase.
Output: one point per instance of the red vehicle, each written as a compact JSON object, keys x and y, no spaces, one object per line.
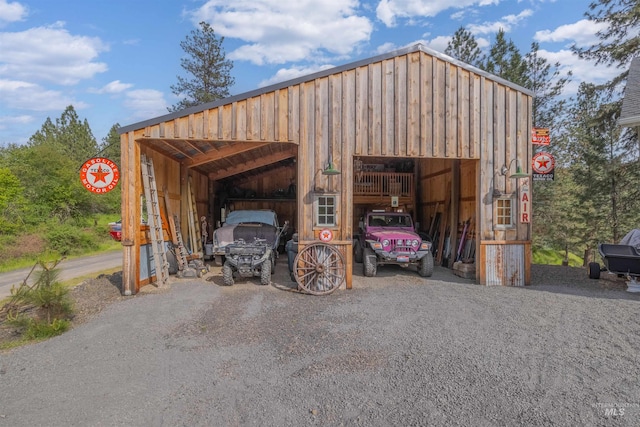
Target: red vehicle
{"x":115,"y":230}
{"x":390,"y":238}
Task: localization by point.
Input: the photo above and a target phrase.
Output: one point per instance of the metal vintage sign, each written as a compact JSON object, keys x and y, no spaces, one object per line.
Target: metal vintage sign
{"x":99,"y":175}
{"x":543,"y":165}
{"x":540,"y":136}
{"x":525,"y":201}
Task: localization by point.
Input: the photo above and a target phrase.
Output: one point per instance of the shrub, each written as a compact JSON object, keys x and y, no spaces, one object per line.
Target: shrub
{"x":66,"y":239}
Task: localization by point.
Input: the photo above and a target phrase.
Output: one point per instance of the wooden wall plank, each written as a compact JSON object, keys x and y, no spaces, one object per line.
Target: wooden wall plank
{"x":399,"y":144}
{"x":426,"y":106}
{"x":375,"y":109}
{"x":488,"y":178}
{"x":451,"y":114}
{"x":464,"y":119}
{"x":294,"y":114}
{"x":239,"y":121}
{"x":439,"y":97}
{"x":267,"y":117}
{"x":334,"y":124}
{"x":387,"y":107}
{"x":361,"y":142}
{"x":414,"y":122}
{"x":252,"y":121}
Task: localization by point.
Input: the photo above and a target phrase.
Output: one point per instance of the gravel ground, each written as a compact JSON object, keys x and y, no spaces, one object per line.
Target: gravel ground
{"x":396,"y":350}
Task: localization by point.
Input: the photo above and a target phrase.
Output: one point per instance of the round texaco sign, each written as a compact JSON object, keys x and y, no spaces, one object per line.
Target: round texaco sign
{"x":99,"y":175}
{"x":543,"y":163}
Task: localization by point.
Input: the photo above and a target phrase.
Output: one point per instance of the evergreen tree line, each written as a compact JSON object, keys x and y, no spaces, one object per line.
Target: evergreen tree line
{"x":595,"y":195}
{"x":40,"y":180}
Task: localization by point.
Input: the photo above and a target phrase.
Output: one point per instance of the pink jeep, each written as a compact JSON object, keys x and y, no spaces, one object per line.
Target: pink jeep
{"x":390,"y":238}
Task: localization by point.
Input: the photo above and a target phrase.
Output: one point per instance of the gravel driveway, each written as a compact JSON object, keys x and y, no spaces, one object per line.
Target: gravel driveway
{"x":396,"y":350}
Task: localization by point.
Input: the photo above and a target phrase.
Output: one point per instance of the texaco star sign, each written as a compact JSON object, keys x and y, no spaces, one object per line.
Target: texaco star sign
{"x":99,"y":175}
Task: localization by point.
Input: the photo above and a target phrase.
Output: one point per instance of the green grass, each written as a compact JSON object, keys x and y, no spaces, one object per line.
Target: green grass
{"x":554,"y":257}
{"x":90,"y":237}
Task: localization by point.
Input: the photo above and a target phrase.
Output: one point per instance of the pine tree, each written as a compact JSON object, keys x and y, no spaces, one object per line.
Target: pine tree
{"x":464,"y":47}
{"x":547,"y":85}
{"x":71,"y":135}
{"x":505,"y":61}
{"x":209,"y":69}
{"x":619,"y":41}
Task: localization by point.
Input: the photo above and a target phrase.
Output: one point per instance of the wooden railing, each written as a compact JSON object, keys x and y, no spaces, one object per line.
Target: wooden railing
{"x":383,"y":184}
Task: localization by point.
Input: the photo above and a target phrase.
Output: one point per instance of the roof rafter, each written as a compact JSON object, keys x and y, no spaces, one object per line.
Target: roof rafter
{"x":253,"y":164}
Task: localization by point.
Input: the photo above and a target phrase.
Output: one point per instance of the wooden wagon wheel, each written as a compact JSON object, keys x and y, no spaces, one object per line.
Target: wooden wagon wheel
{"x":319,"y":269}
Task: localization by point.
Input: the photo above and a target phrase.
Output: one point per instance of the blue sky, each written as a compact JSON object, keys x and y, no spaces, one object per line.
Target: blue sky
{"x":115,"y":60}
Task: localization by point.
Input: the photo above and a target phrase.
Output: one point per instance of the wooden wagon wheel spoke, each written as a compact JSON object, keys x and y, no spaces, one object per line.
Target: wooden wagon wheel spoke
{"x":319,"y":269}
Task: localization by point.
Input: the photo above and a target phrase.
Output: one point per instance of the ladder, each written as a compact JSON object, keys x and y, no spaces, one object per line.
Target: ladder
{"x":154,"y":221}
{"x":176,"y":235}
{"x":194,"y":222}
{"x":181,"y":254}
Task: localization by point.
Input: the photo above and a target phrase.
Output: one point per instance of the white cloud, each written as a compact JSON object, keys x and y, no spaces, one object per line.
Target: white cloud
{"x":276,"y":32}
{"x":115,"y":86}
{"x":439,"y":43}
{"x":145,"y":103}
{"x":506,"y":23}
{"x":582,"y":33}
{"x":50,"y":54}
{"x":33,"y":97}
{"x":8,"y":122}
{"x":285,"y":74}
{"x":386,"y":47}
{"x":11,"y":12}
{"x":582,"y":70}
{"x":389,"y":11}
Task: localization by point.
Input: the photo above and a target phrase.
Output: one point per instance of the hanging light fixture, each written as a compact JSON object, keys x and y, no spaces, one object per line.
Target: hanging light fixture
{"x":519,"y":173}
{"x":330,"y":170}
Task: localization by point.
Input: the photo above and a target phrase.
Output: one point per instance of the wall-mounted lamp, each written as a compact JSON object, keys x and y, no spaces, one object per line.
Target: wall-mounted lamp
{"x":330,"y":170}
{"x":519,"y":174}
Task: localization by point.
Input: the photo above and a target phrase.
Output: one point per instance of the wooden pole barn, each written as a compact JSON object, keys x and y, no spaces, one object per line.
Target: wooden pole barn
{"x":458,"y":131}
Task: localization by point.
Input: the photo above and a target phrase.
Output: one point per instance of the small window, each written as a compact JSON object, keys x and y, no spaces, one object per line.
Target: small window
{"x":325,"y":208}
{"x":504,"y":212}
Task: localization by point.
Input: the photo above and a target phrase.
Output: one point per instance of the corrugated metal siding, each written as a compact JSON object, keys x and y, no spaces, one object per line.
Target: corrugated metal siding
{"x":505,"y":265}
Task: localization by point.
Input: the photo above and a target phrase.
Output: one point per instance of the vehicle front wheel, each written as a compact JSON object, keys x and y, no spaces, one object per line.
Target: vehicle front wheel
{"x":370,"y":264}
{"x":357,"y":252}
{"x":227,"y":274}
{"x":265,"y":273}
{"x":594,"y":270}
{"x":425,"y":268}
{"x":273,"y":263}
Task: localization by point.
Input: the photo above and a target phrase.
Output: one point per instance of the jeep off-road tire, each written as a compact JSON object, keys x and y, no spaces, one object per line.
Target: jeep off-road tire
{"x":594,"y":270}
{"x":357,"y":252}
{"x":425,"y":268}
{"x":227,"y":274}
{"x":265,"y":272}
{"x":369,"y":263}
{"x":273,"y":263}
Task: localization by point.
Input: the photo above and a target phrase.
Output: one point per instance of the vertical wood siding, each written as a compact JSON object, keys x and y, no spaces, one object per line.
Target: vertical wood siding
{"x":411,"y":105}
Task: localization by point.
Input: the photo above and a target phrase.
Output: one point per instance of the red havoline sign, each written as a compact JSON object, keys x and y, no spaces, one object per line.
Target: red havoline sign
{"x":99,"y":175}
{"x":540,"y":136}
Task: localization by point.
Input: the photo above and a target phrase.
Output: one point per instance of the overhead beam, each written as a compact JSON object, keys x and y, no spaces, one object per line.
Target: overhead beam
{"x":253,"y":164}
{"x":225,"y":151}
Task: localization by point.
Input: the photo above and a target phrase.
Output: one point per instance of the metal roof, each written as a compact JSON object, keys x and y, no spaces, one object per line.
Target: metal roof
{"x":630,"y":114}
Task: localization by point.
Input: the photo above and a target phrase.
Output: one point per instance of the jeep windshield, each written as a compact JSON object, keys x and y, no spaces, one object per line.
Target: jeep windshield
{"x":390,"y":220}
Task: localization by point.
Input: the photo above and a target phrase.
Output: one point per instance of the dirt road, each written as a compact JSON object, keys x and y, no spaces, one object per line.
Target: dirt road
{"x":69,"y":269}
{"x":396,"y":350}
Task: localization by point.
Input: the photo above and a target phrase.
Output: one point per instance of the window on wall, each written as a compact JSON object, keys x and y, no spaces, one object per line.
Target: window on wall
{"x":325,"y":209}
{"x":504,"y":212}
